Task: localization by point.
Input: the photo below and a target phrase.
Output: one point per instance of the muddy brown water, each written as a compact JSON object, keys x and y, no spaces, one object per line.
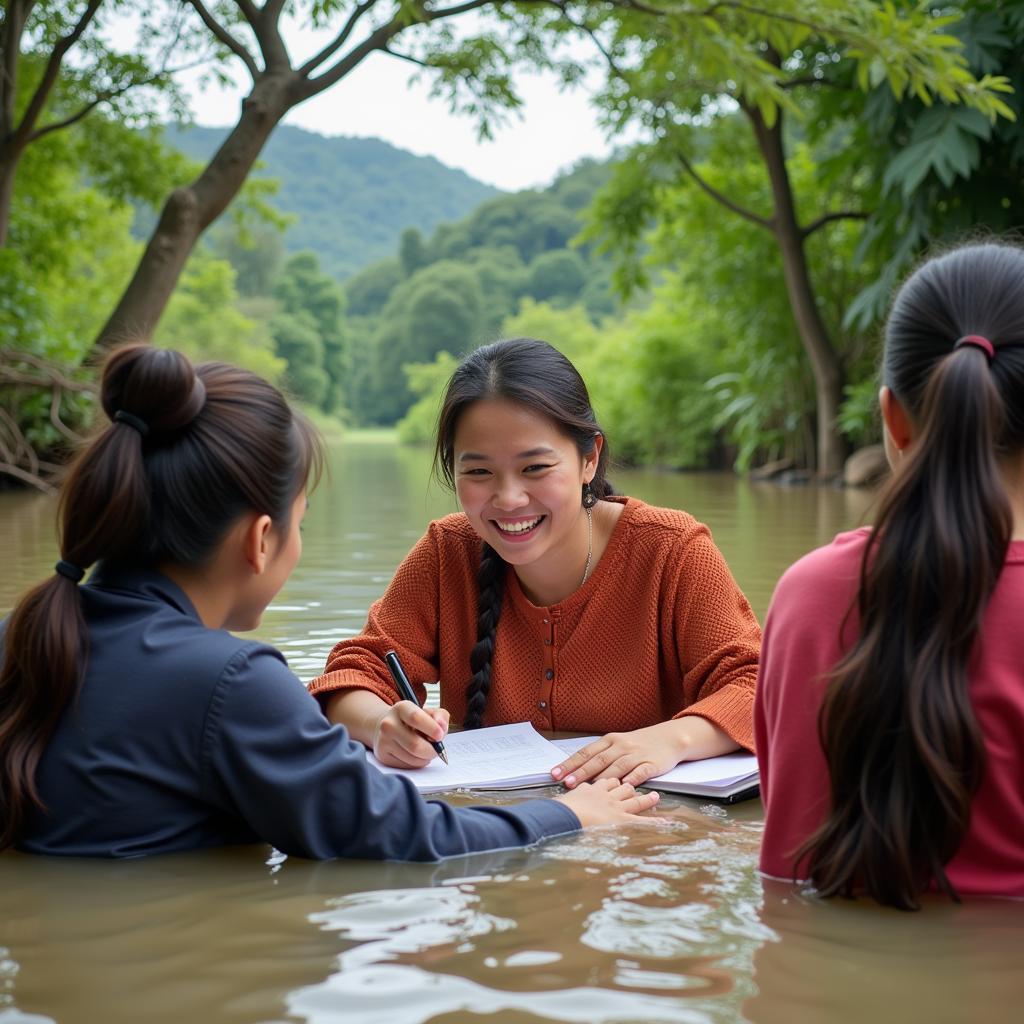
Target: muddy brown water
{"x":665,"y":923}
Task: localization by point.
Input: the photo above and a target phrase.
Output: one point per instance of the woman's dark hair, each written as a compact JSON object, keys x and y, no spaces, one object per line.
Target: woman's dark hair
{"x":536,"y":375}
{"x":903,"y":745}
{"x":187,"y":451}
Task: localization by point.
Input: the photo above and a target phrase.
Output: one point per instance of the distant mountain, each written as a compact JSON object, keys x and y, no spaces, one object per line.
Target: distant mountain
{"x":351,"y":197}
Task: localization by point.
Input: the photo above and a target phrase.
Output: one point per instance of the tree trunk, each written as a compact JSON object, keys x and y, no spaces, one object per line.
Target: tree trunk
{"x":825,"y":365}
{"x":191,"y":209}
{"x":8,"y":169}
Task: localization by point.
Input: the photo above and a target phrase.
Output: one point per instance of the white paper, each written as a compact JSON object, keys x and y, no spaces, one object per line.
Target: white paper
{"x":498,"y":757}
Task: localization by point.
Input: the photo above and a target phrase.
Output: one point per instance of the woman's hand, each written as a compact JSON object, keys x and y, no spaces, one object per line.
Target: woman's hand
{"x":609,"y":802}
{"x":402,"y":733}
{"x":643,"y":754}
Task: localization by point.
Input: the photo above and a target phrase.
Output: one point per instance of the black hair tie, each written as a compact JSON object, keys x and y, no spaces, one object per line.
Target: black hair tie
{"x":69,"y":571}
{"x":132,"y":421}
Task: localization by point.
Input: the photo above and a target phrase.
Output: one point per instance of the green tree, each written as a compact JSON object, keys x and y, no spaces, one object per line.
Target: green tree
{"x":759,"y":63}
{"x":412,"y":251}
{"x":368,"y":291}
{"x":203,"y":321}
{"x":427,"y":382}
{"x":59,"y":72}
{"x":559,"y":274}
{"x":440,"y":308}
{"x":474,"y":72}
{"x":297,"y":341}
{"x":256,"y":253}
{"x":305,"y":292}
{"x":935,"y":173}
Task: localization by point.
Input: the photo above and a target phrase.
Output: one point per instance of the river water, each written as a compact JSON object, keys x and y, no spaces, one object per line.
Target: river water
{"x":663,"y":923}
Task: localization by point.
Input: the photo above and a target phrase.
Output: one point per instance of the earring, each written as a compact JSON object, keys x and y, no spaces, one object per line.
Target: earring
{"x":589,"y":497}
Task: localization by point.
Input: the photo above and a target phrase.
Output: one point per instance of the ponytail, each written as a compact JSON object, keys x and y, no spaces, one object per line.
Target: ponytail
{"x":186,"y":451}
{"x":903,"y":745}
{"x":45,"y":640}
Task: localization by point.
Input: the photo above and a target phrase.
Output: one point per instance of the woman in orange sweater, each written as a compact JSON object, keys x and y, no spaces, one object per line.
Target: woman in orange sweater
{"x":549,"y":599}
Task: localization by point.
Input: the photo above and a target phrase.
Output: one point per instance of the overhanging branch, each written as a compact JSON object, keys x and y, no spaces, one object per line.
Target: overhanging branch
{"x":828,"y":218}
{"x":221,"y":33}
{"x":720,"y":197}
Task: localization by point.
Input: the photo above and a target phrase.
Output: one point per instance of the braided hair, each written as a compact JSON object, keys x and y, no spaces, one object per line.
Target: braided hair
{"x":536,"y":375}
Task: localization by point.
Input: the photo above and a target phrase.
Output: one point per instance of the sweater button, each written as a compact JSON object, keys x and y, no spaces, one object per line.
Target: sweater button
{"x":550,"y":674}
{"x":542,"y":704}
{"x":547,"y":643}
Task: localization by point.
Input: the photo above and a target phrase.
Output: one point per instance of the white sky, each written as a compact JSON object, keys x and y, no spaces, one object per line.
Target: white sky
{"x":552,"y":131}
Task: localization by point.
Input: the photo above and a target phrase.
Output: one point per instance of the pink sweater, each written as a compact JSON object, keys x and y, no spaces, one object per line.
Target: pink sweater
{"x":802,"y":644}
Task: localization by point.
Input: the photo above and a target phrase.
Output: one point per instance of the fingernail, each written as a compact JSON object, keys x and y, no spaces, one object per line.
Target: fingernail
{"x":556,"y":773}
{"x":570,"y":780}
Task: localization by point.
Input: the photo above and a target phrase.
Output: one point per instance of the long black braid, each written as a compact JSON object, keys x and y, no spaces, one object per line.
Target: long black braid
{"x":490,"y":578}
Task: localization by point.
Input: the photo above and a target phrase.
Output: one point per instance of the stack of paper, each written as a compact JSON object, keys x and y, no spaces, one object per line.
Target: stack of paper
{"x":517,"y":757}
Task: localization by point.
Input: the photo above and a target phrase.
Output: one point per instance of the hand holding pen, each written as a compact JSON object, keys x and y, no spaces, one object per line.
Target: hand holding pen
{"x":407,"y":693}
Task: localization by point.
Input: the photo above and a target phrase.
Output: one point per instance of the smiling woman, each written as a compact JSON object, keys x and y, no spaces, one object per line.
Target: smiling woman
{"x":549,"y":599}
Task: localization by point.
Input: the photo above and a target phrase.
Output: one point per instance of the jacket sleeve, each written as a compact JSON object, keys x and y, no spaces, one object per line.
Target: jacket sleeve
{"x":270,"y":757}
{"x":718,"y":641}
{"x":404,"y":619}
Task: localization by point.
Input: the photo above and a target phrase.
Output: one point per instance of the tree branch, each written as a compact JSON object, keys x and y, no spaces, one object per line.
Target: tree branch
{"x":406,"y":57}
{"x":264,"y":23}
{"x":51,"y":374}
{"x":28,"y":478}
{"x":50,"y":75}
{"x":827,"y":218}
{"x":338,"y":41}
{"x":720,"y":197}
{"x":55,"y":419}
{"x":234,"y":45}
{"x":14,"y":27}
{"x":379,"y":39}
{"x":104,"y":97}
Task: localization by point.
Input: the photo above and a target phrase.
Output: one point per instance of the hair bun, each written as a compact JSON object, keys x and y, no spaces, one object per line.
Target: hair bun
{"x":157,"y":385}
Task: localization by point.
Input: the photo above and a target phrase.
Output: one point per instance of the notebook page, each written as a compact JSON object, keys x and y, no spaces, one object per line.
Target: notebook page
{"x":501,"y":754}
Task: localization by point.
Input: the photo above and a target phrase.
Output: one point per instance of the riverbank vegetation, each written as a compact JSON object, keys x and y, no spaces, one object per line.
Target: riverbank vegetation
{"x":719,"y":283}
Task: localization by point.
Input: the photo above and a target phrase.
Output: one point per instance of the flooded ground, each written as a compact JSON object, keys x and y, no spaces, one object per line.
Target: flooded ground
{"x":664,"y":923}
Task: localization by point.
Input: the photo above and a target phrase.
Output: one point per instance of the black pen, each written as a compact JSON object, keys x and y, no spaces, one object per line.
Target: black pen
{"x":407,"y":692}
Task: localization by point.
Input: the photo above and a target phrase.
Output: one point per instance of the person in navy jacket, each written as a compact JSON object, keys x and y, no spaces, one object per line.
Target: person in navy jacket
{"x":132,"y":722}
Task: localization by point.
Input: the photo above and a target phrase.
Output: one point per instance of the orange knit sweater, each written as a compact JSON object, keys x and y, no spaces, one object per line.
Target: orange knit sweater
{"x":659,"y":629}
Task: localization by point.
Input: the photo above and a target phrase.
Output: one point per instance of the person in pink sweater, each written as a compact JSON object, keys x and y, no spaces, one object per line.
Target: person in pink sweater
{"x":889,"y":717}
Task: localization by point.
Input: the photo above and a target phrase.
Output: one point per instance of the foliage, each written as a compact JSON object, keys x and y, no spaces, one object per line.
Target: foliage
{"x":556,"y":275}
{"x":455,"y":290}
{"x":937,"y":174}
{"x":204,"y":322}
{"x":54,"y":283}
{"x":645,"y":373}
{"x":256,"y":253}
{"x":427,"y":381}
{"x":348,"y":199}
{"x":676,"y":81}
{"x":310,"y":333}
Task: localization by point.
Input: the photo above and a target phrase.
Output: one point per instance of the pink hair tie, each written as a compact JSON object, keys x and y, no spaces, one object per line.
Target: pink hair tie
{"x":977,"y":341}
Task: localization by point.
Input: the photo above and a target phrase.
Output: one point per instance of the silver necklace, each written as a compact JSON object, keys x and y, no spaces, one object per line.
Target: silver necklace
{"x":590,"y":546}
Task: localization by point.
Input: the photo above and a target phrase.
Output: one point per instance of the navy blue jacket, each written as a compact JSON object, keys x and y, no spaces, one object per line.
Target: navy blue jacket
{"x":185,"y":737}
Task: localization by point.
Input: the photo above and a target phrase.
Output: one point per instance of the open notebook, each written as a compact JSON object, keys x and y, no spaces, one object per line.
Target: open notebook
{"x":499,"y":757}
{"x":517,"y":757}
